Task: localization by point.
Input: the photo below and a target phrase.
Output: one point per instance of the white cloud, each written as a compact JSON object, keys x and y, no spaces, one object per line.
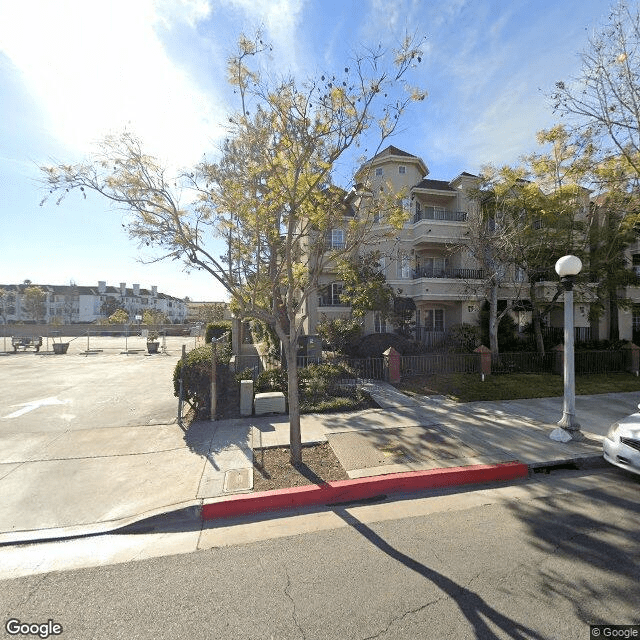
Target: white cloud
{"x":96,"y":68}
{"x":189,"y":11}
{"x":386,"y":23}
{"x":280,"y":19}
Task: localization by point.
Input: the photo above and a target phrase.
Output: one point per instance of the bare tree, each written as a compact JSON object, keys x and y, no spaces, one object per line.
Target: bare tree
{"x":605,"y":97}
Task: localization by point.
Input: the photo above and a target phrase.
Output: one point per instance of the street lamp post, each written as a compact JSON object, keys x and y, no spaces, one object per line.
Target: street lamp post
{"x":568,"y":267}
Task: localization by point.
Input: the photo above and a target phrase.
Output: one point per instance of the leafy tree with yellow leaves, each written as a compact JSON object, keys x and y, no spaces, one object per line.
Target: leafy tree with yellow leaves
{"x":270,"y":197}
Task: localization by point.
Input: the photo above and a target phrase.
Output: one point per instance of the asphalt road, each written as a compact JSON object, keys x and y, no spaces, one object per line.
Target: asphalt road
{"x":541,"y":559}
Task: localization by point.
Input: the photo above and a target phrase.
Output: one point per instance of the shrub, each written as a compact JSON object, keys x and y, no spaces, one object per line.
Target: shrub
{"x":464,"y":337}
{"x":216,"y":330}
{"x":339,"y":403}
{"x":196,"y":375}
{"x":340,"y":334}
{"x":601,"y":345}
{"x":316,"y":379}
{"x":375,"y":344}
{"x":330,"y":374}
{"x":272,"y":380}
{"x":245,"y":374}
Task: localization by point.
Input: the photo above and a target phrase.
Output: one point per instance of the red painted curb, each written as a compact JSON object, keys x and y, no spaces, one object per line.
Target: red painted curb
{"x":360,"y":488}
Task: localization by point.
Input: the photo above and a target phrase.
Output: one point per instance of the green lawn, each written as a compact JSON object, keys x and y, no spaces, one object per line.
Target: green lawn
{"x":467,"y":387}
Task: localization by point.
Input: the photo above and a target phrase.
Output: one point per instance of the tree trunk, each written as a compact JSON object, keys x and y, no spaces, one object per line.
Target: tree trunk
{"x":493,"y":323}
{"x":295,"y":438}
{"x":614,"y":327}
{"x":535,"y":319}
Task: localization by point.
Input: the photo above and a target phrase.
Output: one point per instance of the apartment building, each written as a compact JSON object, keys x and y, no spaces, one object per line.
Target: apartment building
{"x":74,"y":303}
{"x":429,"y":260}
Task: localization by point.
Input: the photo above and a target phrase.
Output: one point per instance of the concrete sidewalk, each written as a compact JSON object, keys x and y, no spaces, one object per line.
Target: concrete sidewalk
{"x":81,"y":481}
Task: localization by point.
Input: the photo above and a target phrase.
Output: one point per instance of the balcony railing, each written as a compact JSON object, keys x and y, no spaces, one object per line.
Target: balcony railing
{"x":431,"y":213}
{"x":331,"y":301}
{"x":462,"y":274}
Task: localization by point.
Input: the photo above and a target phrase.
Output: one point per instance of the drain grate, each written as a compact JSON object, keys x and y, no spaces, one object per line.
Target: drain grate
{"x":237,"y":480}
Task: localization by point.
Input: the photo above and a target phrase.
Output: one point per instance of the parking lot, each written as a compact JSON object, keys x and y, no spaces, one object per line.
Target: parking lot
{"x":100,"y":382}
{"x":89,"y":440}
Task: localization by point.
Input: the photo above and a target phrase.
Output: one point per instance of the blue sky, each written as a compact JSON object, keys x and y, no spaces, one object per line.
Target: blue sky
{"x":72,"y":71}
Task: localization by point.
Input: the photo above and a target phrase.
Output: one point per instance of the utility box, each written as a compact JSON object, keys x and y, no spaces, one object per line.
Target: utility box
{"x":246,"y":397}
{"x":310,"y":346}
{"x":270,"y":402}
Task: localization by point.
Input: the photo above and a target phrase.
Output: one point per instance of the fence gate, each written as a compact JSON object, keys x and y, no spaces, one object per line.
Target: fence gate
{"x":253,"y":362}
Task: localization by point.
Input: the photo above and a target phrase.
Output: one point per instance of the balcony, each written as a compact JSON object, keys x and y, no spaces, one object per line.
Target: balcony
{"x":461,"y":274}
{"x":433,"y":213}
{"x":331,"y":301}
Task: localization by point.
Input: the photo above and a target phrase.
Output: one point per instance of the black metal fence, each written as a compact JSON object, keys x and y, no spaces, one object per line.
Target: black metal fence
{"x":524,"y":362}
{"x":432,"y":339}
{"x":556,"y":334}
{"x":439,"y":363}
{"x":551,"y":362}
{"x":585,"y":362}
{"x":602,"y":361}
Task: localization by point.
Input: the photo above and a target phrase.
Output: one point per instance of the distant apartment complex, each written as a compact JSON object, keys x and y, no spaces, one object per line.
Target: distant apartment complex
{"x":429,"y":260}
{"x":69,"y":304}
{"x":200,"y":312}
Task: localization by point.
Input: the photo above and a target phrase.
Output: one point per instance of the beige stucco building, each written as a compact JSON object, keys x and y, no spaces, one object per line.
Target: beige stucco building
{"x":429,"y":259}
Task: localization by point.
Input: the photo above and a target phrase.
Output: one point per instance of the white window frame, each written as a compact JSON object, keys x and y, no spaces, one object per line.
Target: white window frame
{"x":336,"y":291}
{"x":404,"y":267}
{"x":379,"y":323}
{"x":337,"y":239}
{"x":434,"y":264}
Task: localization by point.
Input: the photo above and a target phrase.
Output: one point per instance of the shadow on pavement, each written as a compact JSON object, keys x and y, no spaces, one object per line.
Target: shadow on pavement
{"x":580,"y":546}
{"x":472,"y":606}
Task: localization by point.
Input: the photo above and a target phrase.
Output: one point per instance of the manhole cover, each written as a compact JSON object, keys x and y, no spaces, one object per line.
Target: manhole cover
{"x":236,"y":480}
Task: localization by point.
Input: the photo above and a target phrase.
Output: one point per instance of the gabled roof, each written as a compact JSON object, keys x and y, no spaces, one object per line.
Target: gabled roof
{"x":439,"y":185}
{"x":394,"y":152}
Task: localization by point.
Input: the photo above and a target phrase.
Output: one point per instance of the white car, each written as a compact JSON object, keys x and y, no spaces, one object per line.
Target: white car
{"x":622,"y":443}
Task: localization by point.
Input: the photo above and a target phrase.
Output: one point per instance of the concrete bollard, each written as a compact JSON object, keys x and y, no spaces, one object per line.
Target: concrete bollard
{"x":246,"y":397}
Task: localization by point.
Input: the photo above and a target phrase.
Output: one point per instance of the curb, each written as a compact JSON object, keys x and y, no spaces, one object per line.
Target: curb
{"x":342,"y":491}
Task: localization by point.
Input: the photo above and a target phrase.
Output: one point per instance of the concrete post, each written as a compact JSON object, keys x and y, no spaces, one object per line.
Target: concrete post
{"x":236,"y":336}
{"x":484,"y":354}
{"x":392,"y":365}
{"x":246,"y":397}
